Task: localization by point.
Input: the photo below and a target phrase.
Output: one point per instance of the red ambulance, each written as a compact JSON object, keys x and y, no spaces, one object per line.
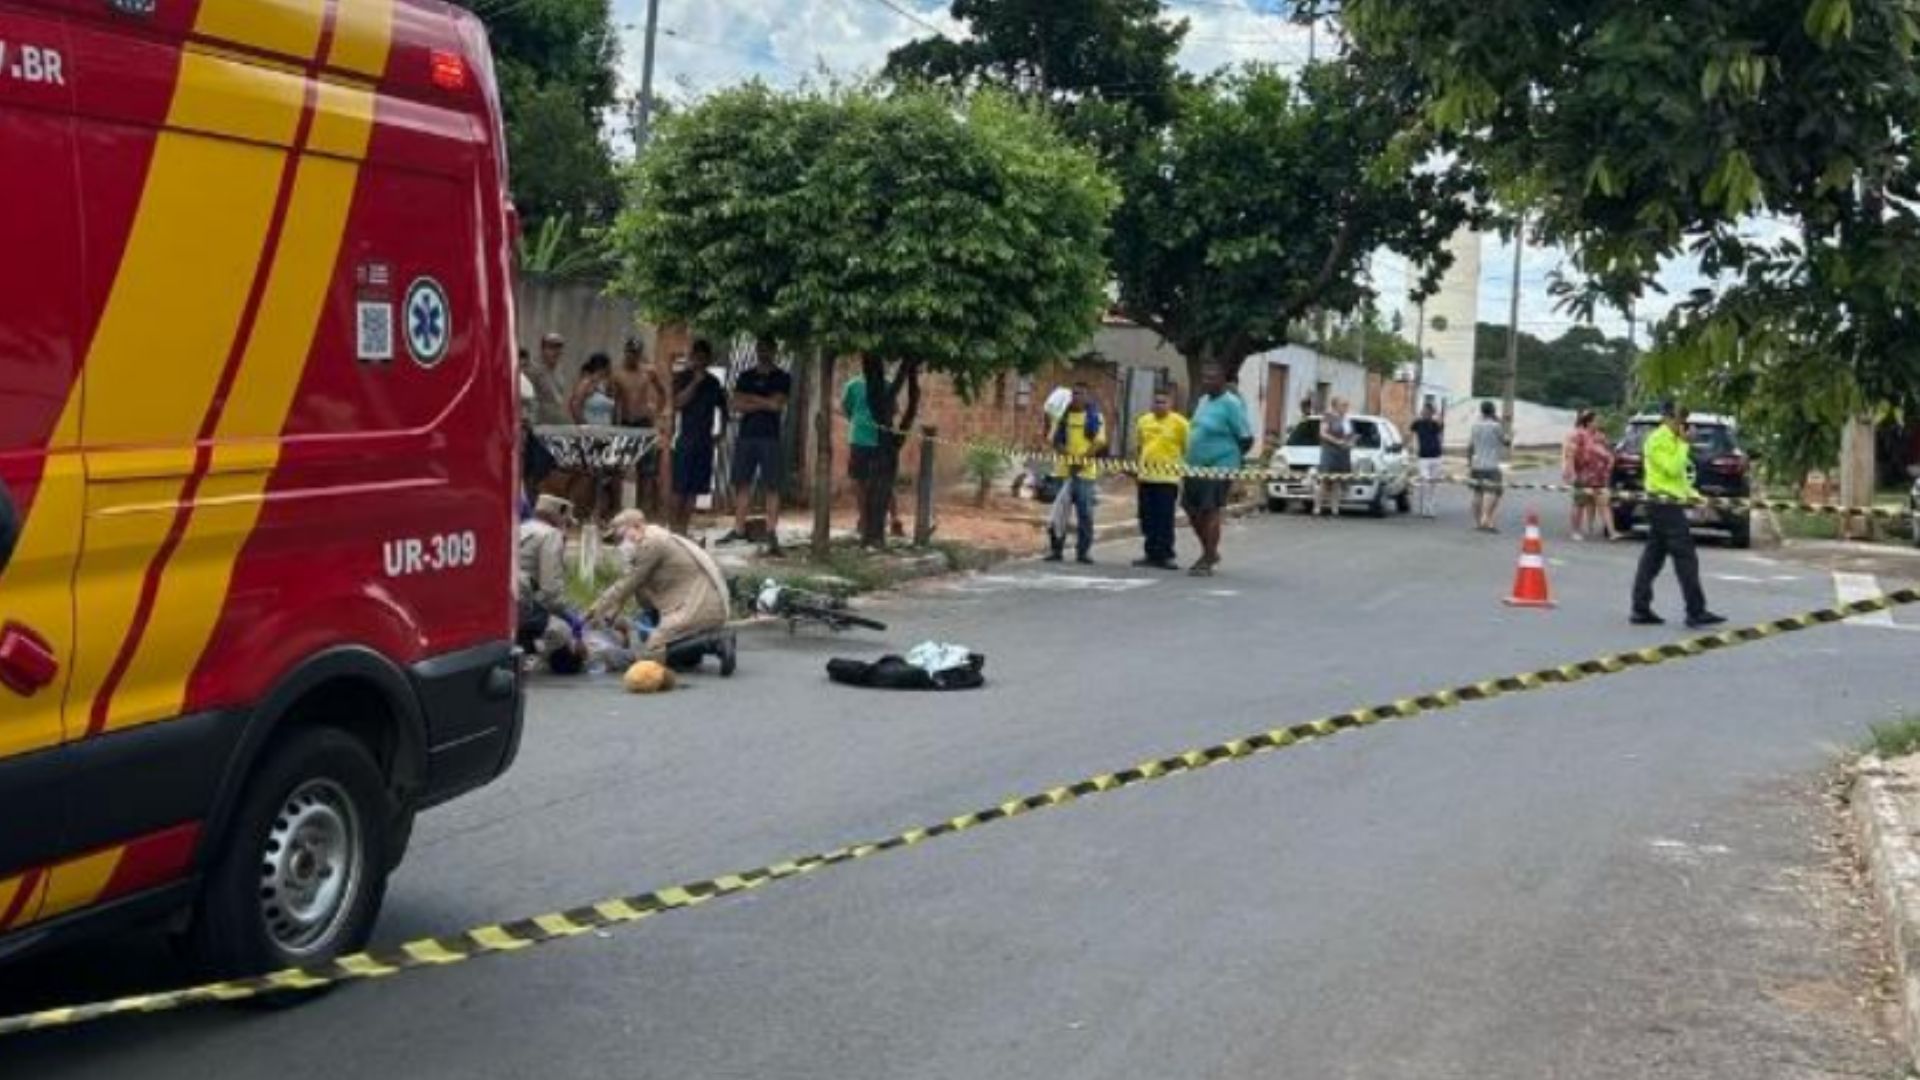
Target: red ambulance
{"x":257,"y":460}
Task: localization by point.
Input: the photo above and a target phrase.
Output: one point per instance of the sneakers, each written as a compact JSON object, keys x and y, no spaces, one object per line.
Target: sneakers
{"x":1646,"y":618}
{"x":1054,"y":556}
{"x":1704,"y":620}
{"x":732,"y":536}
{"x":1084,"y":560}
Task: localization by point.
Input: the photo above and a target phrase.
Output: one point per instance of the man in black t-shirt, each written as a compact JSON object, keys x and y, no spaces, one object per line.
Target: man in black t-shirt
{"x":702,"y":405}
{"x":1428,"y":432}
{"x":760,"y":397}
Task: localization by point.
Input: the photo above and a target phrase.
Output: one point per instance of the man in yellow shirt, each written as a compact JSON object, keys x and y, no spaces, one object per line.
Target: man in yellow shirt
{"x":1669,"y":464}
{"x":1079,"y":436}
{"x":1160,"y":443}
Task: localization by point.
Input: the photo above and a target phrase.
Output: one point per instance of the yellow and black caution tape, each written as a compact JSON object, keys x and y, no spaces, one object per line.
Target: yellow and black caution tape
{"x":1712,"y":501}
{"x":1171,"y":471}
{"x":543,"y":929}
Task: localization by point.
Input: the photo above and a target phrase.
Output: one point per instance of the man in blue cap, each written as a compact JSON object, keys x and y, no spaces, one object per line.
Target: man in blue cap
{"x":1669,"y":463}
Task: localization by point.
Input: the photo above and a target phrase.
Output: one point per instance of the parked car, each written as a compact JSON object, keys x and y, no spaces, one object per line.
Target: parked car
{"x":1721,"y":469}
{"x":1379,"y":460}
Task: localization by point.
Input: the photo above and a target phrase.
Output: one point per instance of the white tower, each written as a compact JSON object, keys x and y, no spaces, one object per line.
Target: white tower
{"x":1456,"y":307}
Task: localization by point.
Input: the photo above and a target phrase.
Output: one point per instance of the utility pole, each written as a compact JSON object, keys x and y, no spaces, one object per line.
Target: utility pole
{"x":643,"y":121}
{"x":1420,"y":360}
{"x":1513,"y":324}
{"x":1633,"y":359}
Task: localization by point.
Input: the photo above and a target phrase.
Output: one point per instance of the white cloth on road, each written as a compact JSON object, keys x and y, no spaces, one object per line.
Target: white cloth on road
{"x":934,"y":657}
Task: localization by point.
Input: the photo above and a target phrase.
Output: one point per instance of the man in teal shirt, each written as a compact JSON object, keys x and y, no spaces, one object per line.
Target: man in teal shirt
{"x":863,"y":443}
{"x":1669,"y":464}
{"x":1219,"y":439}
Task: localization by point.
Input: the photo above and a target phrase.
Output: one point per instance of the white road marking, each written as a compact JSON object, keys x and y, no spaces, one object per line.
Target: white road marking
{"x":1740,"y":578}
{"x":989,"y":583}
{"x":1852,"y":588}
{"x":1681,"y":851}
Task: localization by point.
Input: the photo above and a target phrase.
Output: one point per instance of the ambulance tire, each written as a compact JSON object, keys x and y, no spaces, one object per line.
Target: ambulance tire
{"x":300,"y":879}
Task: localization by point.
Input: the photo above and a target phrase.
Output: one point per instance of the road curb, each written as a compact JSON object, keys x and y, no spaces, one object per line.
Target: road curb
{"x":1886,"y":805}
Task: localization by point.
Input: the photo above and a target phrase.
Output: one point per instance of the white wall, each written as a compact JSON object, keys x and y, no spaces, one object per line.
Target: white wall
{"x":588,"y":318}
{"x":1533,"y":425}
{"x":1306,"y":369}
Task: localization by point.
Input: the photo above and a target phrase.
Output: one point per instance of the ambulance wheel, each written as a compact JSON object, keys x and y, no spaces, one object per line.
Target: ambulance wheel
{"x":300,"y":878}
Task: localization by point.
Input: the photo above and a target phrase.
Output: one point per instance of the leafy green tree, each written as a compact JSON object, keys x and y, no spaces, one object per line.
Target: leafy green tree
{"x":912,"y":232}
{"x":1581,"y":369}
{"x":556,"y":250}
{"x":1645,"y":133}
{"x":1107,"y":68}
{"x":555,"y":61}
{"x":1264,"y":201}
{"x":1249,"y":198}
{"x":1366,"y":337}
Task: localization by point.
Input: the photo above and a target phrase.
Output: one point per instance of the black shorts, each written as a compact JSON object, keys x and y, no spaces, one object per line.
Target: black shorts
{"x":861,"y":462}
{"x":1202,"y":496}
{"x":693,"y":469}
{"x":760,"y":459}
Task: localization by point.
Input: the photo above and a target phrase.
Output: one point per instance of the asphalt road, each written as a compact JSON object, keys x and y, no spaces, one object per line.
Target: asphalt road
{"x":1632,"y":877}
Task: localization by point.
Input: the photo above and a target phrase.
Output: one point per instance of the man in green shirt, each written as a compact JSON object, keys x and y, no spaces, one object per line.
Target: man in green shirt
{"x":863,"y":444}
{"x":1669,"y":464}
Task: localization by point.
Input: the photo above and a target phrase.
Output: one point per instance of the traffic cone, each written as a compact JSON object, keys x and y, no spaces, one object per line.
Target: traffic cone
{"x":1530,"y":580}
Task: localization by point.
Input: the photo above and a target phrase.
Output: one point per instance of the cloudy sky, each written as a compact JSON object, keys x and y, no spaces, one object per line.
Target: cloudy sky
{"x":708,"y":44}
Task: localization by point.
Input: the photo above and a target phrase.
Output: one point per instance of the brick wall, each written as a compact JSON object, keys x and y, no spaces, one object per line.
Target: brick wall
{"x":1002,"y":412}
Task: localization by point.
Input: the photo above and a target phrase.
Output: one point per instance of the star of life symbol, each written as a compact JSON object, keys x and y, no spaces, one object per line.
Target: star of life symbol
{"x":429,"y":322}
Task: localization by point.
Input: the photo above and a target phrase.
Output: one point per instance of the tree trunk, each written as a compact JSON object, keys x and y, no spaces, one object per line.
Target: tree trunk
{"x":883,"y":399}
{"x":1230,"y":358}
{"x":822,"y":457}
{"x":1858,"y":477}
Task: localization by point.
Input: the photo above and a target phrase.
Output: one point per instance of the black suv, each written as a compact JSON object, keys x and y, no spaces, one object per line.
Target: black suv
{"x":1720,"y":469}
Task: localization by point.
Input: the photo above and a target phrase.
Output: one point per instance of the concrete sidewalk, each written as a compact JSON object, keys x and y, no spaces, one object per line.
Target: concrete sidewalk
{"x":1886,"y":807}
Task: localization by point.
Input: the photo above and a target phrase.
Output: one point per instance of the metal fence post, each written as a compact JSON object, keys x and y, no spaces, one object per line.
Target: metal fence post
{"x":923,"y":513}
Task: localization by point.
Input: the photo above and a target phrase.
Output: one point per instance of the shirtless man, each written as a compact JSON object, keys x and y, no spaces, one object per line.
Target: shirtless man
{"x":640,"y":389}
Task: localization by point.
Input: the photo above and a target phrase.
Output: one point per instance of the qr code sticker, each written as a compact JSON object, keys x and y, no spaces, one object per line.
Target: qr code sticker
{"x":376,"y":332}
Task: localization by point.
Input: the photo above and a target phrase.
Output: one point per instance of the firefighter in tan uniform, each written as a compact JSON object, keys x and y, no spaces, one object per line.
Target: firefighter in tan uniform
{"x":679,"y":580}
{"x":547,"y":630}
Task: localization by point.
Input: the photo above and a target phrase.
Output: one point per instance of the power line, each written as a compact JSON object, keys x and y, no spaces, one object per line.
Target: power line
{"x":911,"y":16}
